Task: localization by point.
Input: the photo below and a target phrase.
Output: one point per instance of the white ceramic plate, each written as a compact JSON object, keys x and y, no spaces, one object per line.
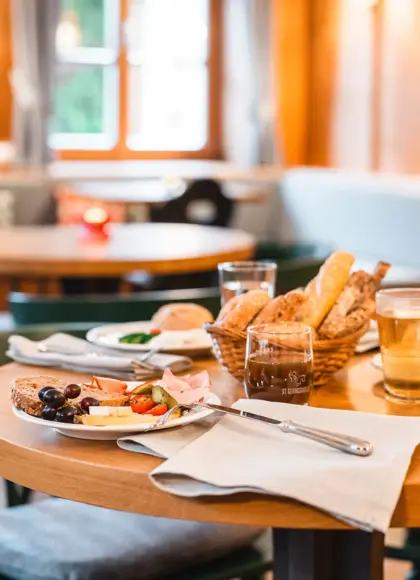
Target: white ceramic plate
{"x":194,"y":342}
{"x":376,"y":361}
{"x":114,"y":432}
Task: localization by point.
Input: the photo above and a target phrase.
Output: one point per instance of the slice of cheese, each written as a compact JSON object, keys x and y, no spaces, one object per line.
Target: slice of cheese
{"x":104,"y":411}
{"x":103,"y":421}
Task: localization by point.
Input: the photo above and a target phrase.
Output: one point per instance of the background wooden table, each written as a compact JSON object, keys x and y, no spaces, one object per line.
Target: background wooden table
{"x":157,"y":248}
{"x":100,"y":473}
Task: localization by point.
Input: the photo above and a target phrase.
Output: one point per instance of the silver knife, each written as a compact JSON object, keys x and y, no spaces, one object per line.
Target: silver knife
{"x":345,"y":443}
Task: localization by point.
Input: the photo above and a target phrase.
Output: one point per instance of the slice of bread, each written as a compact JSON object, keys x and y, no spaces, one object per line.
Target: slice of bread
{"x":24,"y":393}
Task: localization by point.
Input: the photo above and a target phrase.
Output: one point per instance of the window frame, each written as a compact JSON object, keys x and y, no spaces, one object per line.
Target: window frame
{"x":121,"y":152}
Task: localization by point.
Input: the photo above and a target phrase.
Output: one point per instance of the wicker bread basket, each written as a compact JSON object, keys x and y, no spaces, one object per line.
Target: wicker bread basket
{"x":329,"y":355}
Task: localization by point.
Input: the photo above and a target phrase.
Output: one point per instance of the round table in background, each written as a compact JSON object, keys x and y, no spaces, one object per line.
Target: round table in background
{"x":158,"y":248}
{"x":308,"y":544}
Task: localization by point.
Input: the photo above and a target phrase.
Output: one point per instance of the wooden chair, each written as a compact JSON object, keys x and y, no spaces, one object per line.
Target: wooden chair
{"x":203,"y":202}
{"x":410,"y":551}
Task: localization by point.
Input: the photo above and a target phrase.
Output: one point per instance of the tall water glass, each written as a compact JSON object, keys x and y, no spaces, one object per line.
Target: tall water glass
{"x":239,"y":277}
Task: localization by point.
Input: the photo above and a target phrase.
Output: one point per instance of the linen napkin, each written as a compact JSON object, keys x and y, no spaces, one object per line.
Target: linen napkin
{"x":166,"y":443}
{"x":68,"y":352}
{"x":238,"y":455}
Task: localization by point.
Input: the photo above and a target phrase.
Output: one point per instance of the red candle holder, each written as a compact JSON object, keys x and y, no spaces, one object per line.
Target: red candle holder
{"x":95,"y":224}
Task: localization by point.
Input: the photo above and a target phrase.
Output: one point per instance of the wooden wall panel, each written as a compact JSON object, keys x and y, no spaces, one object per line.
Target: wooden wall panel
{"x":351,"y":120}
{"x":291,"y":45}
{"x":5,"y":65}
{"x":325,"y":56}
{"x":325,"y":27}
{"x":400,"y":87}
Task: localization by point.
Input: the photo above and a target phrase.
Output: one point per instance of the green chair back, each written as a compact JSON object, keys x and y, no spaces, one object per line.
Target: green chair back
{"x":33,"y":309}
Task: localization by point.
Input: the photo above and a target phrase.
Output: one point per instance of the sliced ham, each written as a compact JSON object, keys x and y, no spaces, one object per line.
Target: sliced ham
{"x":108,"y":385}
{"x":186,"y":390}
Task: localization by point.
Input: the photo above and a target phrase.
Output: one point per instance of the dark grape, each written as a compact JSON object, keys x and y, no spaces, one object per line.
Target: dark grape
{"x":54,"y":398}
{"x":48,"y":413}
{"x":72,"y":391}
{"x":88,"y":402}
{"x":66,"y":415}
{"x":42,"y":392}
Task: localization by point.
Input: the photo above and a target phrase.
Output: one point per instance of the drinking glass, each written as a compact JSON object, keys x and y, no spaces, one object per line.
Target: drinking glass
{"x":239,"y":277}
{"x":279,"y":362}
{"x":398,"y":313}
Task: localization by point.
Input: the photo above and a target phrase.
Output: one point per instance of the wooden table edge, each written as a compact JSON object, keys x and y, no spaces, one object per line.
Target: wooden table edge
{"x":108,"y":267}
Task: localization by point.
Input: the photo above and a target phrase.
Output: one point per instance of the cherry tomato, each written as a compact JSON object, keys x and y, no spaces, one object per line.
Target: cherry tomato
{"x":158,"y":410}
{"x":142,"y":404}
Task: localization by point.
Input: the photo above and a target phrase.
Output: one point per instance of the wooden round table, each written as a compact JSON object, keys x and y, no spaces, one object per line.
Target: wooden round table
{"x":158,"y":248}
{"x":100,"y":473}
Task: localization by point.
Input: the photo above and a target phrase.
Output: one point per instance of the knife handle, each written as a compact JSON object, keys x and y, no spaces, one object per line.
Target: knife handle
{"x":344,"y":443}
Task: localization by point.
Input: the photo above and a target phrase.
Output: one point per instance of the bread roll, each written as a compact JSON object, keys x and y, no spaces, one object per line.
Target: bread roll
{"x":325,"y":289}
{"x":180,"y":316}
{"x":241,"y":310}
{"x":274,"y":311}
{"x":292,"y":306}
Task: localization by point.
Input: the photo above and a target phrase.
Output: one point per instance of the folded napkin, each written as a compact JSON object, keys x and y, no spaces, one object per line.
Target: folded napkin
{"x":166,"y":443}
{"x":68,"y":352}
{"x":238,"y":455}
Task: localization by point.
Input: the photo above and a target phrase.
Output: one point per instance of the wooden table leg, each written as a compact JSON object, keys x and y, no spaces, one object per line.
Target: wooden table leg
{"x":327,"y":555}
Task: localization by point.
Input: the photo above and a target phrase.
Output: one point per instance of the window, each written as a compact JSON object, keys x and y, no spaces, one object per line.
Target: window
{"x":137,"y":79}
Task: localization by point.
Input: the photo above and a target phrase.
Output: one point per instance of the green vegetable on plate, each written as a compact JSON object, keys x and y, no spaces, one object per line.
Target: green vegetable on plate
{"x":138,"y":337}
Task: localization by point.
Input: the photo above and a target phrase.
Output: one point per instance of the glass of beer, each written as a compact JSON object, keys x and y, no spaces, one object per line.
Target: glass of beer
{"x":279,"y":363}
{"x":398,"y":313}
{"x":240,"y":277}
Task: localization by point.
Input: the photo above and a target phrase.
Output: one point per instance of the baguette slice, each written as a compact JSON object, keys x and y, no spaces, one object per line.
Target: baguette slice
{"x":358,"y":295}
{"x":324,"y":290}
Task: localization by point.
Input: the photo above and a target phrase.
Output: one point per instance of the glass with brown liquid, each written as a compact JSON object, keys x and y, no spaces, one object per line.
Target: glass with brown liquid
{"x":398,"y":314}
{"x":279,"y":363}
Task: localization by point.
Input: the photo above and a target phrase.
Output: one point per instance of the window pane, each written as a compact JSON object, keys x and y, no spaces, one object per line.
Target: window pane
{"x":87,"y":24}
{"x":168,"y":107}
{"x":167,"y":30}
{"x":85,"y":101}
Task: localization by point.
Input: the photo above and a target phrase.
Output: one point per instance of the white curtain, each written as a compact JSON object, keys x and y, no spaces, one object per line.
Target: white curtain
{"x":34,"y":25}
{"x":249,"y":106}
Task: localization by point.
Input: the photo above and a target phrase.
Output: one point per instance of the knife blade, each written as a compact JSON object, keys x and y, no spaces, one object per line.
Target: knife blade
{"x":340,"y":441}
{"x":239,"y":413}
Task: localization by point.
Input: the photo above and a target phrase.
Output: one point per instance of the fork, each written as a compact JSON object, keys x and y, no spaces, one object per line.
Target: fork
{"x":162,"y":420}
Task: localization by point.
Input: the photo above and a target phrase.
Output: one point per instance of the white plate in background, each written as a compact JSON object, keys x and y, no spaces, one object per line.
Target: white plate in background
{"x":194,"y":342}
